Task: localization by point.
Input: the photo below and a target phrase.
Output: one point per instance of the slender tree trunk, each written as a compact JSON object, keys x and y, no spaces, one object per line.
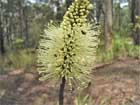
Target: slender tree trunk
{"x":6,"y":27}
{"x":9,"y":32}
{"x":129,"y":3}
{"x":20,"y":12}
{"x":133,"y":12}
{"x":2,"y":50}
{"x":26,"y":33}
{"x":137,"y":13}
{"x":108,"y":17}
{"x":61,"y":91}
{"x":119,"y":15}
{"x":98,"y":9}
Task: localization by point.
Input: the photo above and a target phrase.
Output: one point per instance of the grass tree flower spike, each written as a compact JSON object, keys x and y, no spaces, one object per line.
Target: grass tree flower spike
{"x":69,"y":50}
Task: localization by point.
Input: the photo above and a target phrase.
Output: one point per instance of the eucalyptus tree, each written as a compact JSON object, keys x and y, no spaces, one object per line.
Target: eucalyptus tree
{"x":105,"y":8}
{"x":108,"y":23}
{"x":135,"y":14}
{"x":2,"y":49}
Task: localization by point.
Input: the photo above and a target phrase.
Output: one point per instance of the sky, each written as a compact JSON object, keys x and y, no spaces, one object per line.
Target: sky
{"x":32,"y":1}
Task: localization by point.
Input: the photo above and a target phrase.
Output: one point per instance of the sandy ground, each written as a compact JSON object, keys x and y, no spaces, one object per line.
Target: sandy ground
{"x":115,"y":84}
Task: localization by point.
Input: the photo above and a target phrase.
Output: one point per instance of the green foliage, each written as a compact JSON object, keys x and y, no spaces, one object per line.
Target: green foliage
{"x":3,"y":70}
{"x":88,"y":100}
{"x":104,"y":57}
{"x":133,"y":51}
{"x":137,"y":24}
{"x":122,"y":47}
{"x":18,"y":43}
{"x":69,"y":50}
{"x":19,"y":59}
{"x":36,"y":29}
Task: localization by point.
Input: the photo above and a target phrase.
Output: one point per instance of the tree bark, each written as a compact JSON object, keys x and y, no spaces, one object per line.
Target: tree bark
{"x":133,"y":12}
{"x":2,"y":50}
{"x":61,"y":91}
{"x":20,"y":12}
{"x":108,"y":17}
{"x":25,"y":20}
{"x":137,"y":13}
{"x":98,"y":9}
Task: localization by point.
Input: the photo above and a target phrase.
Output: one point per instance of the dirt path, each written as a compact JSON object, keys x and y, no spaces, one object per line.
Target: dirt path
{"x":116,"y":83}
{"x":120,"y":82}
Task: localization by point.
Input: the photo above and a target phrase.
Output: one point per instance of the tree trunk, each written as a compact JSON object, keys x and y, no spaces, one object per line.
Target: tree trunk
{"x":137,"y":13}
{"x":108,"y":17}
{"x":98,"y":9}
{"x":2,"y":50}
{"x":25,"y":20}
{"x":133,"y":12}
{"x":61,"y":91}
{"x":20,"y":12}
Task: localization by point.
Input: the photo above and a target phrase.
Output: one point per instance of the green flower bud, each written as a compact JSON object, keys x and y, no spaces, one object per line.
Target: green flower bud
{"x":70,"y":15}
{"x":77,"y":20}
{"x":71,"y":7}
{"x":66,"y":18}
{"x":79,"y":24}
{"x":90,"y":7}
{"x":74,"y":14}
{"x":76,"y":8}
{"x":75,"y":17}
{"x":64,"y":27}
{"x":82,"y":10}
{"x":86,"y":1}
{"x":82,"y":7}
{"x":81,"y":13}
{"x":74,"y":24}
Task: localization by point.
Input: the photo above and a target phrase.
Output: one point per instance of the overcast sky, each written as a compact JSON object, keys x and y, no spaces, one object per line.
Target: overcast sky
{"x":33,"y":1}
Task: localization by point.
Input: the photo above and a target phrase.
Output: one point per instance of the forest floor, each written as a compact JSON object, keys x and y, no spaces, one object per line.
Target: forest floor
{"x":116,"y":83}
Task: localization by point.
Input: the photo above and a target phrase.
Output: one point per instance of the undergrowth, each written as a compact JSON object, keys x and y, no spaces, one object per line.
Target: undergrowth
{"x":17,"y":59}
{"x":122,"y":48}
